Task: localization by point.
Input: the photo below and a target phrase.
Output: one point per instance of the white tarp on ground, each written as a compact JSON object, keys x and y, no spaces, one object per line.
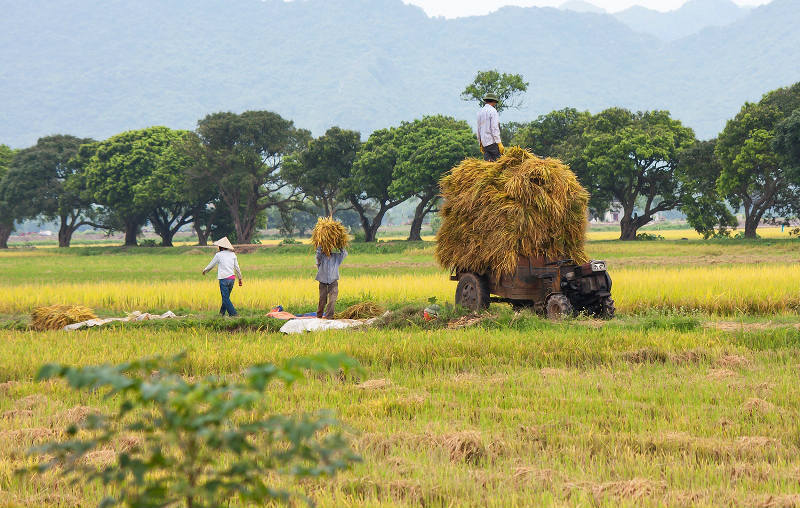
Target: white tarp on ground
{"x":316,"y":324}
{"x":133,"y":316}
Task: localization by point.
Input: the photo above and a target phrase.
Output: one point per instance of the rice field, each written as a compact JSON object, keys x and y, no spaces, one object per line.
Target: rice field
{"x":688,"y":398}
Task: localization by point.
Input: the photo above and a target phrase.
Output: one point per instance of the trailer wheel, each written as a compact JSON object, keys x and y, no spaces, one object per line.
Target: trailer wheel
{"x":605,"y":308}
{"x":558,"y":307}
{"x":472,"y":292}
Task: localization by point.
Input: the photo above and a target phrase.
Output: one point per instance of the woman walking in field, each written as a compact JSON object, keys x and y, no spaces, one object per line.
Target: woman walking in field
{"x":227,"y":271}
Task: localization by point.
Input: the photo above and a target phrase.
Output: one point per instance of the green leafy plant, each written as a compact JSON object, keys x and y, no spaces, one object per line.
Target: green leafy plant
{"x":196,"y":444}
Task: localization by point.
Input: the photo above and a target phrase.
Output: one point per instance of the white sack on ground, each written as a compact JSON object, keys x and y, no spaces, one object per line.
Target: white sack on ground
{"x":133,"y":316}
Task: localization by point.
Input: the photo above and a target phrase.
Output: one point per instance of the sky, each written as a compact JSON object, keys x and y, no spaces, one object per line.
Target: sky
{"x":457,"y":8}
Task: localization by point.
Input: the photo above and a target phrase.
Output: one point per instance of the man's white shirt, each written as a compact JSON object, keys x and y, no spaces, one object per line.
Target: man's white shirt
{"x":488,"y":125}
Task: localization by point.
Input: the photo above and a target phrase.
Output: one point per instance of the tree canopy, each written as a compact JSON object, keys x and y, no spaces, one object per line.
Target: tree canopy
{"x":508,"y":88}
{"x":320,"y":168}
{"x":632,"y":157}
{"x":754,"y":176}
{"x":241,"y":154}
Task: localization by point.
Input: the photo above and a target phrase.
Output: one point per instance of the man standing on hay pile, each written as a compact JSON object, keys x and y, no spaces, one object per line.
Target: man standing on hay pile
{"x":227,"y":272}
{"x":489,"y":129}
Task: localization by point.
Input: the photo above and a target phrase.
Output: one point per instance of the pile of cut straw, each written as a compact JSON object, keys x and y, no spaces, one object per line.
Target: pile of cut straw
{"x":521,"y":205}
{"x":56,"y":317}
{"x":329,"y":235}
{"x":363,"y":310}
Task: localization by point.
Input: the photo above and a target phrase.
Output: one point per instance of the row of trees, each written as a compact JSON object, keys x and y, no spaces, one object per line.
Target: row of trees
{"x":647,"y":162}
{"x":223,"y":177}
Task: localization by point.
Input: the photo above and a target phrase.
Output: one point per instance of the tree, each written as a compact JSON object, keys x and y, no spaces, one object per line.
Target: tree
{"x":754,"y":176}
{"x":426,"y":150}
{"x":6,"y":214}
{"x":632,"y":157}
{"x":319,"y":169}
{"x":698,"y":169}
{"x":787,"y":146}
{"x":242,"y":156}
{"x":508,"y":88}
{"x":116,"y":168}
{"x":173,"y":202}
{"x":40,"y":183}
{"x":369,"y":182}
{"x":560,"y":134}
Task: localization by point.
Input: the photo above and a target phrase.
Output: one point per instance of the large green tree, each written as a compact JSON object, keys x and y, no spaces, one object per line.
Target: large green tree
{"x":367,"y":188}
{"x":632,"y":157}
{"x":508,"y":88}
{"x":427,"y":149}
{"x":172,"y":200}
{"x":699,"y":169}
{"x":320,"y":168}
{"x":754,"y":176}
{"x":40,"y":183}
{"x":787,"y":146}
{"x":115,"y":171}
{"x":6,"y":213}
{"x":242,"y":154}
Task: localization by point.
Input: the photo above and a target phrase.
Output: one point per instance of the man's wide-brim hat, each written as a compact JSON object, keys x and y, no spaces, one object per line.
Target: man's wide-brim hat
{"x":224,"y":243}
{"x":490,"y":97}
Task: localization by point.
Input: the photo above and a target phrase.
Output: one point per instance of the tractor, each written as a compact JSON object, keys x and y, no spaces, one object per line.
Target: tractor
{"x":555,"y":288}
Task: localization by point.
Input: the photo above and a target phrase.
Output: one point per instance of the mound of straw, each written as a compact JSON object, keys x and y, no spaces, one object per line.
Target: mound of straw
{"x":56,"y":317}
{"x":520,"y":205}
{"x":329,"y":235}
{"x":363,"y":310}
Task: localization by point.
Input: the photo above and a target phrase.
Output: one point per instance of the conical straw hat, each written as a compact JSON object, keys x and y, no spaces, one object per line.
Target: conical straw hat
{"x":224,"y":243}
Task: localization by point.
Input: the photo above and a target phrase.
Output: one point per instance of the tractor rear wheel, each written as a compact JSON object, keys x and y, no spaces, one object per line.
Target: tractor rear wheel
{"x":472,"y":292}
{"x":558,"y":307}
{"x":605,"y":308}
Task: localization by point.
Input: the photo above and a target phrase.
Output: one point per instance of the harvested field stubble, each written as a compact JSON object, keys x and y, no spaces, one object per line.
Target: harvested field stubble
{"x":520,"y":205}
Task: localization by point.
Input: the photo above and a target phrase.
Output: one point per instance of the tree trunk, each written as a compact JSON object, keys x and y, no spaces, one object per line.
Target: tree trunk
{"x":64,"y":233}
{"x":131,"y":232}
{"x":5,"y":232}
{"x":628,"y":229}
{"x":751,"y":225}
{"x":422,"y":209}
{"x":166,"y":238}
{"x":202,"y":236}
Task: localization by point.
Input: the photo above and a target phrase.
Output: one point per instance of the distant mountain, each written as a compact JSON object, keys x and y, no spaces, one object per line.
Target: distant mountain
{"x":98,"y":67}
{"x":691,"y":18}
{"x":581,"y":6}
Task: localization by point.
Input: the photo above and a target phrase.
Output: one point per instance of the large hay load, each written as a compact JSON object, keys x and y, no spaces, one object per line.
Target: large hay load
{"x":515,"y":228}
{"x":329,"y":235}
{"x":520,"y":205}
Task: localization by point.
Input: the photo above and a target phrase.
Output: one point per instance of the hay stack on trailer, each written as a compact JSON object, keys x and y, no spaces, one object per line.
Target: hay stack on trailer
{"x":521,"y":205}
{"x":329,"y":235}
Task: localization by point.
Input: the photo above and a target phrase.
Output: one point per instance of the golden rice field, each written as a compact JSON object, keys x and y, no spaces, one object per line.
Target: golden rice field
{"x":747,"y":289}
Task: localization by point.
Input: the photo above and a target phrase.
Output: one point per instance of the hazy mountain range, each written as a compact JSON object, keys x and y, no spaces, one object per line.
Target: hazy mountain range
{"x":97,"y":67}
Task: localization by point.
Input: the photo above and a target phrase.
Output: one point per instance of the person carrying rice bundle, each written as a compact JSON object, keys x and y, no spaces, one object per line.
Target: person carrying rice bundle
{"x":328,"y":236}
{"x":227,"y":272}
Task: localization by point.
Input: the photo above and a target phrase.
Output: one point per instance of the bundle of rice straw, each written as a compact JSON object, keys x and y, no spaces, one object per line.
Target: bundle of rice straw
{"x":56,"y":317}
{"x":520,"y":205}
{"x":329,"y":234}
{"x":363,"y":310}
